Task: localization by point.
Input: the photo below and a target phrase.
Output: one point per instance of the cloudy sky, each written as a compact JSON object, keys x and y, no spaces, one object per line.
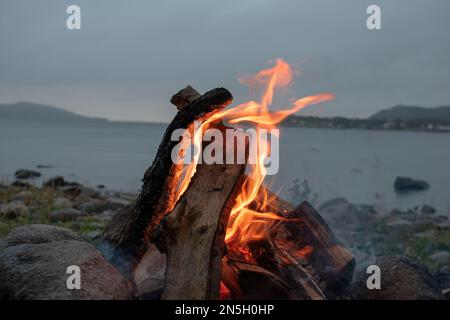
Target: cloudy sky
{"x":131,"y":56}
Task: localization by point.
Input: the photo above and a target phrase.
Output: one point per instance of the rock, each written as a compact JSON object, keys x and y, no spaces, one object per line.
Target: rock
{"x":61,"y":202}
{"x":37,"y":233}
{"x":91,"y":206}
{"x":399,"y":224}
{"x":55,"y":182}
{"x":14,"y":210}
{"x":93,"y":235}
{"x":405,"y":184}
{"x":443,"y":279}
{"x":26,"y":174}
{"x":38,"y":271}
{"x":71,"y":190}
{"x":87,"y":192}
{"x":20,"y":184}
{"x":59,"y":182}
{"x":400,"y":280}
{"x":115,"y":203}
{"x":23,"y":196}
{"x":150,"y":273}
{"x":426,"y":210}
{"x":342,"y":215}
{"x":441,"y":258}
{"x":44,"y":166}
{"x":65,"y":214}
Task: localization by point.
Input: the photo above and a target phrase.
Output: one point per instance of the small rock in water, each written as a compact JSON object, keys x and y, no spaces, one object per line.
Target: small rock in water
{"x":44,"y":166}
{"x":55,"y":182}
{"x":14,"y":210}
{"x":405,"y":184}
{"x":26,"y":174}
{"x":61,"y":202}
{"x":426,"y":209}
{"x":65,"y":214}
{"x":23,"y":196}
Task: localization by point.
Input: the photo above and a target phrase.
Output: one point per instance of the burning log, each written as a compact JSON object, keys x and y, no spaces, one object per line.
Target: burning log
{"x":245,"y":281}
{"x":130,"y":231}
{"x":194,"y":232}
{"x":302,"y":249}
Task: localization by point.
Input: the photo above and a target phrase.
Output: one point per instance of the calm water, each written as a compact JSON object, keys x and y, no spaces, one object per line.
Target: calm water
{"x":358,"y":165}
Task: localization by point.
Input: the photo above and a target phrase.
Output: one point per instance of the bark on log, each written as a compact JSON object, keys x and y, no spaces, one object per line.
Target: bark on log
{"x":194,"y":232}
{"x":129,"y":232}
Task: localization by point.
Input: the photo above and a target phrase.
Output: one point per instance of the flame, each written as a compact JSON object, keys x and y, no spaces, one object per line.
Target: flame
{"x":246,"y":224}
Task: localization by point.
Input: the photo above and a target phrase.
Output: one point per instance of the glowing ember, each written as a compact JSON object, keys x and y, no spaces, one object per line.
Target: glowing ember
{"x":246,"y":224}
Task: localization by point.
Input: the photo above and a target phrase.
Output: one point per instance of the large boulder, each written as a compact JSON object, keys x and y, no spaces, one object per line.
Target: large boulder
{"x":405,"y":184}
{"x":38,"y":272}
{"x":37,"y":233}
{"x":400,"y":280}
{"x":26,"y":174}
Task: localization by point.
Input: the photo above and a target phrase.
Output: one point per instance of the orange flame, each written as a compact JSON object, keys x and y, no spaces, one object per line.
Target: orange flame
{"x":246,"y":224}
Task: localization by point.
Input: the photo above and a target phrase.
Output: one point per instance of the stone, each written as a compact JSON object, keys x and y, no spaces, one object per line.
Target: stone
{"x":26,"y":174}
{"x":38,"y":272}
{"x":37,"y":233}
{"x":400,"y":280}
{"x":149,"y":274}
{"x":61,"y":202}
{"x":14,"y":210}
{"x":91,"y":206}
{"x":426,"y":210}
{"x":87,"y":192}
{"x":343,"y":215}
{"x":115,"y":203}
{"x":20,"y":184}
{"x":55,"y":182}
{"x":23,"y":196}
{"x":65,"y":214}
{"x":405,"y":184}
{"x":441,"y":258}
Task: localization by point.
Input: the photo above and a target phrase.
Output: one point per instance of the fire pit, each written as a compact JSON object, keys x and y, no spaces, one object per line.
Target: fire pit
{"x":213,"y":230}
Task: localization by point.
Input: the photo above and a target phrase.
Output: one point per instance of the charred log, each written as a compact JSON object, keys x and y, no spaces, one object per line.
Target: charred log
{"x":130,"y":231}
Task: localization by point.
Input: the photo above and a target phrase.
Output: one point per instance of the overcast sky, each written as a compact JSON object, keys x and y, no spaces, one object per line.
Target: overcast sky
{"x":131,"y":56}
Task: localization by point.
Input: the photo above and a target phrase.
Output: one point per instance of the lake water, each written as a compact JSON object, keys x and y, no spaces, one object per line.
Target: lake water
{"x":358,"y":165}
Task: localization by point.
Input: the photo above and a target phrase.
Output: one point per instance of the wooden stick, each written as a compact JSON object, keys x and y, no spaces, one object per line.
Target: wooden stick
{"x":130,"y":231}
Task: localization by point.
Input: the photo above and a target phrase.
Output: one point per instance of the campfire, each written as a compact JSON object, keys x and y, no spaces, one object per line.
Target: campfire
{"x":202,"y":230}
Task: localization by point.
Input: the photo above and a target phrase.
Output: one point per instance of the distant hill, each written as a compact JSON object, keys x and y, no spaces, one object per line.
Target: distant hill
{"x":33,"y":112}
{"x":411,"y":113}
